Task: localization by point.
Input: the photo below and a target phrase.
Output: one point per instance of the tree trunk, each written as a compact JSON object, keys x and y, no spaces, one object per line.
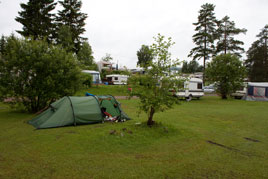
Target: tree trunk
{"x":223,"y":96}
{"x":225,"y":40}
{"x":150,"y":121}
{"x":205,"y":55}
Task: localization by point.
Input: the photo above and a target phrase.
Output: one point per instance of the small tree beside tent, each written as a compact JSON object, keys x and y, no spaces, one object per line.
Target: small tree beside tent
{"x":153,"y":87}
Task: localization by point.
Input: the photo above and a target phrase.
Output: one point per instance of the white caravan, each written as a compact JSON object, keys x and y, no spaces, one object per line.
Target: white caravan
{"x":193,"y":88}
{"x":117,"y":79}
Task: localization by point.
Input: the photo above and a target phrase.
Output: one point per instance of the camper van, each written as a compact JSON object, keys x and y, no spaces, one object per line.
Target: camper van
{"x":193,"y":88}
{"x":117,"y":79}
{"x":96,"y":79}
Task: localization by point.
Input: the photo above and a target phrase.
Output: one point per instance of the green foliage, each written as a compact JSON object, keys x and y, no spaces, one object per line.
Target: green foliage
{"x":257,"y":57}
{"x":107,"y":58}
{"x":85,"y":57}
{"x":205,"y":36}
{"x":35,"y":73}
{"x":227,"y":72}
{"x":65,"y":38}
{"x":191,"y":67}
{"x":72,"y":17}
{"x":2,"y":44}
{"x":153,"y":87}
{"x":226,"y":42}
{"x":37,"y":19}
{"x":86,"y":79}
{"x":145,"y":56}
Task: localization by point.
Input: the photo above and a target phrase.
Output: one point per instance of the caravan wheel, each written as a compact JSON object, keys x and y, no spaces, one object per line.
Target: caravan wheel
{"x":189,"y":98}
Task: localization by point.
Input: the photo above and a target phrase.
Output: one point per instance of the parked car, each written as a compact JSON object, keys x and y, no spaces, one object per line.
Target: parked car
{"x":209,"y":89}
{"x":239,"y":94}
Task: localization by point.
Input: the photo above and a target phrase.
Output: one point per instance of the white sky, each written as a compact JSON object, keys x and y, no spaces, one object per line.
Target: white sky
{"x":120,"y":27}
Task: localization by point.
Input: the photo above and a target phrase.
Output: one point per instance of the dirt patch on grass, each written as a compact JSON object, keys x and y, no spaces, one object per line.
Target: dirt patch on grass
{"x":252,"y":140}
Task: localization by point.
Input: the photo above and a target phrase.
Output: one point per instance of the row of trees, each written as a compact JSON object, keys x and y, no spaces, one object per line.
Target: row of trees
{"x":46,"y":63}
{"x":214,"y":36}
{"x":65,"y":28}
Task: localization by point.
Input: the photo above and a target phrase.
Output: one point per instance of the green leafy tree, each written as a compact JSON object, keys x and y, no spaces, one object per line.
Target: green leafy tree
{"x":257,"y":57}
{"x":205,"y":36}
{"x":85,"y":57}
{"x":153,"y":87}
{"x":145,"y":56}
{"x":225,"y":35}
{"x":191,"y":67}
{"x":72,"y":17}
{"x":35,"y":73}
{"x":37,"y":19}
{"x":107,"y":58}
{"x":228,"y":73}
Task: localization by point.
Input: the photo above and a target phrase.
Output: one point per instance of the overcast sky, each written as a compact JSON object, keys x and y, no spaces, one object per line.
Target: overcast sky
{"x":120,"y":27}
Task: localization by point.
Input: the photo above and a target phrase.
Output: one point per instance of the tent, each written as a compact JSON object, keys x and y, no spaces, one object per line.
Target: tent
{"x":257,"y":91}
{"x":71,"y":110}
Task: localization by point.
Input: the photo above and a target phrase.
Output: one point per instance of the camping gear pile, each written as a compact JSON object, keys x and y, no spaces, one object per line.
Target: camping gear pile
{"x":71,"y":110}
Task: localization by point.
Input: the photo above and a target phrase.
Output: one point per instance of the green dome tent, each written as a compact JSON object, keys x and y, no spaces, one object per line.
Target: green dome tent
{"x":78,"y":110}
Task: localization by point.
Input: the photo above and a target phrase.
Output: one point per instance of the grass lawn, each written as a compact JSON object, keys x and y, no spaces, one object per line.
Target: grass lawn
{"x":199,"y":139}
{"x":115,"y":90}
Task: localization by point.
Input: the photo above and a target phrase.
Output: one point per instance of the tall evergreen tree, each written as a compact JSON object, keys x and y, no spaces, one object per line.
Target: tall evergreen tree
{"x":205,"y":36}
{"x":257,"y":57}
{"x":72,"y":17}
{"x":37,"y":19}
{"x":65,"y":38}
{"x":2,"y":44}
{"x":225,"y":35}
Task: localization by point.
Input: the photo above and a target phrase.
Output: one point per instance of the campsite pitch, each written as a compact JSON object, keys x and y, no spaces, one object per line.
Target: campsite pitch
{"x":207,"y":138}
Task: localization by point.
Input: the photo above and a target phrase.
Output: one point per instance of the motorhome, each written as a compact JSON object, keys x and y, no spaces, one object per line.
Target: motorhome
{"x":193,"y":88}
{"x":117,"y":79}
{"x":96,"y":79}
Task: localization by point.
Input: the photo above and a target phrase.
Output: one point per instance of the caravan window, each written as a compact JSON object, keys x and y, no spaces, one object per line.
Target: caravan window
{"x":199,"y":86}
{"x":115,"y":78}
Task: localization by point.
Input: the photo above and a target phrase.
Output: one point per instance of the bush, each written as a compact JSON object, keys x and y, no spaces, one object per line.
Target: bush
{"x":87,"y":79}
{"x":227,"y":72}
{"x":35,"y":73}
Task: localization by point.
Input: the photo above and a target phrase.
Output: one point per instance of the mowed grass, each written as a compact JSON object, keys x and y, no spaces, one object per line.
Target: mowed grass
{"x":115,"y":90}
{"x":177,"y":147}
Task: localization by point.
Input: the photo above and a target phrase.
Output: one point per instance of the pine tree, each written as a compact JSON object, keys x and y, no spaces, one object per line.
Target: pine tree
{"x":72,"y":17}
{"x":257,"y":57}
{"x":204,"y":38}
{"x":37,"y":19}
{"x":2,"y":44}
{"x":226,"y":42}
